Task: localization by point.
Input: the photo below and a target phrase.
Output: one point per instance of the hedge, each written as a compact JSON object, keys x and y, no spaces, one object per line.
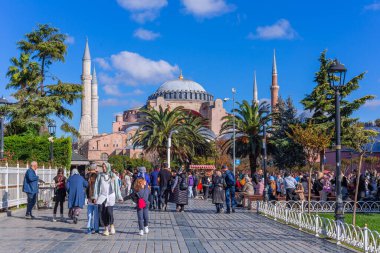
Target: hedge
{"x":120,"y":162}
{"x":37,"y":148}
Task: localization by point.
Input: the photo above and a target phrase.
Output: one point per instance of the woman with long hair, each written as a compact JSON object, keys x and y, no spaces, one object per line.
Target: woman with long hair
{"x":59,"y":193}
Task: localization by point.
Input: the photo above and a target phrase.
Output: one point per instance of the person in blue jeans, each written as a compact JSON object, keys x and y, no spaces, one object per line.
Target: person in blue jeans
{"x":30,"y":187}
{"x":155,"y":188}
{"x":230,"y":189}
{"x":92,"y":207}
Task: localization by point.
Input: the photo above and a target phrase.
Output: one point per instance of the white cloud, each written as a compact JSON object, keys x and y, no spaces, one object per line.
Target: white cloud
{"x":102,"y":63}
{"x":69,"y":39}
{"x":207,"y":8}
{"x":279,"y":30}
{"x":372,"y":103}
{"x":144,"y":34}
{"x":143,"y":10}
{"x":372,"y":7}
{"x":113,"y":90}
{"x":132,"y":69}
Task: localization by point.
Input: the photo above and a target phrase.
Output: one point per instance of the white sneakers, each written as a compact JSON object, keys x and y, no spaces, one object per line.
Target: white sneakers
{"x":106,"y":232}
{"x":145,"y":231}
{"x":112,"y":230}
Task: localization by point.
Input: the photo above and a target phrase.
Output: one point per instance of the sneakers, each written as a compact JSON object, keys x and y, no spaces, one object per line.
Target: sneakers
{"x":141,"y":232}
{"x":106,"y":232}
{"x":112,"y":230}
{"x":28,"y":216}
{"x":233,"y":210}
{"x":89,"y":231}
{"x":62,"y":218}
{"x":228,"y":211}
{"x":146,"y":230}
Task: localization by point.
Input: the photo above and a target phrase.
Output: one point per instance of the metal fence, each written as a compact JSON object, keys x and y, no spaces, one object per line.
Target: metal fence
{"x":11,"y":182}
{"x":362,"y":238}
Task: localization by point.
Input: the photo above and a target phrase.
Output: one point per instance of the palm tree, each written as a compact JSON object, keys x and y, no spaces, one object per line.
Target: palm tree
{"x":190,"y":141}
{"x":249,"y":121}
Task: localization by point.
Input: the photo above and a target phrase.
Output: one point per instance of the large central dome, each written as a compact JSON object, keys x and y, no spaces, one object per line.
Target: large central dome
{"x":181,"y":89}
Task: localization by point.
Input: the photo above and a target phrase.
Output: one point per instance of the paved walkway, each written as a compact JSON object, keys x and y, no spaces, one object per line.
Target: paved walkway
{"x":199,"y":229}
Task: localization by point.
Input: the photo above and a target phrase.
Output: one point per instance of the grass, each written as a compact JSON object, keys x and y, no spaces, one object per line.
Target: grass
{"x":371,"y":219}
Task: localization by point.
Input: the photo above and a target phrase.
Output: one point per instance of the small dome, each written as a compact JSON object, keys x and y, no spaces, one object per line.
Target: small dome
{"x":180,"y":85}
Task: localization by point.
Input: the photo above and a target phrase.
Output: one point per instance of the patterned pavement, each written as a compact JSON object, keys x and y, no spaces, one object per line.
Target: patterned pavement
{"x":198,"y":229}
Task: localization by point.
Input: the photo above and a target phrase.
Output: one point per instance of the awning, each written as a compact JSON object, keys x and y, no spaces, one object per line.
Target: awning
{"x":202,"y":167}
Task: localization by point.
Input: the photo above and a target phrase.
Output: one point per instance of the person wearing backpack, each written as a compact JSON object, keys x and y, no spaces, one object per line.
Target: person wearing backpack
{"x":141,"y":197}
{"x":180,"y":191}
{"x":230,"y":189}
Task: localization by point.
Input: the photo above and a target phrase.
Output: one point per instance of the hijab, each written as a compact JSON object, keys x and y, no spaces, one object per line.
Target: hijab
{"x":74,"y":172}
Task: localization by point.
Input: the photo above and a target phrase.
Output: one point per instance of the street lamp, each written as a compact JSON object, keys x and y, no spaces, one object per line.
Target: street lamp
{"x":234,"y":129}
{"x":52,"y":127}
{"x":3,"y":102}
{"x":337,"y":74}
{"x":264,"y":112}
{"x":170,"y":144}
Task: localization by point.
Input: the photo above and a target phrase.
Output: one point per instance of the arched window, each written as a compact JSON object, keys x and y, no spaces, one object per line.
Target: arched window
{"x":191,"y":95}
{"x":175,"y":95}
{"x":196,"y":96}
{"x":104,"y":157}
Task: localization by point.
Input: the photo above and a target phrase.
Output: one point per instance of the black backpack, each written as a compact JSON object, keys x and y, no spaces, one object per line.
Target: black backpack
{"x":183,"y":186}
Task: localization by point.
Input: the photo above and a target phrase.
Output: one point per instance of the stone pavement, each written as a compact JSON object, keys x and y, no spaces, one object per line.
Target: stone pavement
{"x":199,"y":229}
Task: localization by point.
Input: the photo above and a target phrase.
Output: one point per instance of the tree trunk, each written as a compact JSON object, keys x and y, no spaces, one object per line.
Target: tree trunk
{"x":309,"y":190}
{"x":252,"y":163}
{"x":321,"y":160}
{"x":357,"y":189}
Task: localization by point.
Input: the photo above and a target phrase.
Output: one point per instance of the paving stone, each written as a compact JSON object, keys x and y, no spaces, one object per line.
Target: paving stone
{"x":198,"y":229}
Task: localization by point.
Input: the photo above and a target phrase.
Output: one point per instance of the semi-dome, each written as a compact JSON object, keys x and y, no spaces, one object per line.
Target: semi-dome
{"x":182,"y":89}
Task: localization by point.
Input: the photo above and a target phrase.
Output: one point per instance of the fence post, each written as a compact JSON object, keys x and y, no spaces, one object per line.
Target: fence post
{"x":257,"y":206}
{"x":337,"y":225}
{"x":316,"y":217}
{"x":366,"y":241}
{"x":18,"y":185}
{"x":299,"y":220}
{"x":275,"y":211}
{"x":286,"y":215}
{"x":7,"y":186}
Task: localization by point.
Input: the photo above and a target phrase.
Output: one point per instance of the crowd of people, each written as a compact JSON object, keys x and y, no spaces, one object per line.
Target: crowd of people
{"x":101,"y":189}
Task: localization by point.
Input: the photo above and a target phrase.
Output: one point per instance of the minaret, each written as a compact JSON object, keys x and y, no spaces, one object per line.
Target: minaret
{"x":255,"y":92}
{"x":94,"y":103}
{"x":274,"y":88}
{"x":85,"y":127}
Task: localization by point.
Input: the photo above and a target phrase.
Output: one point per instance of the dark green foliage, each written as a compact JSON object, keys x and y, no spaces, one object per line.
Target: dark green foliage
{"x":287,"y":154}
{"x":120,"y":162}
{"x":37,"y":148}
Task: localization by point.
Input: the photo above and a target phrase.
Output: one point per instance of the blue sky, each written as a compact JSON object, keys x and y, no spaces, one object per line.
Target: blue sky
{"x":138,"y":44}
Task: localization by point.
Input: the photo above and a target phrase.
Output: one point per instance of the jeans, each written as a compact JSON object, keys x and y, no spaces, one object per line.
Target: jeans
{"x":219,"y":207}
{"x":155,"y":192}
{"x":32,"y":198}
{"x":230,"y":197}
{"x":143,"y":217}
{"x":93,"y":217}
{"x":163,"y":196}
{"x":191,"y":194}
{"x":290,"y":192}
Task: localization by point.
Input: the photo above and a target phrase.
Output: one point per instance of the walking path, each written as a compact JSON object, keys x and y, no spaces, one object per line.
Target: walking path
{"x":199,"y":229}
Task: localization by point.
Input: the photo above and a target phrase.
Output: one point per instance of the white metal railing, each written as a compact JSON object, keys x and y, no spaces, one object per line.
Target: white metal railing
{"x":329,"y":206}
{"x":362,"y":238}
{"x":11,"y":182}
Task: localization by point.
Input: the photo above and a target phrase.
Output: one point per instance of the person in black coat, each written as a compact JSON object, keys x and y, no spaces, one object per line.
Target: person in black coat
{"x":218,"y":196}
{"x":180,"y":191}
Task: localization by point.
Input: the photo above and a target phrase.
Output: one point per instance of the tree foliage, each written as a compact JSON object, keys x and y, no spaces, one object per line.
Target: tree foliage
{"x":38,"y":103}
{"x":193,"y":138}
{"x":121,"y":162}
{"x":249,"y":122}
{"x":286,"y":152}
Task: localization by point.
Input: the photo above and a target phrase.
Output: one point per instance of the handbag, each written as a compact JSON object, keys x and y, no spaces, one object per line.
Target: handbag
{"x":141,"y":204}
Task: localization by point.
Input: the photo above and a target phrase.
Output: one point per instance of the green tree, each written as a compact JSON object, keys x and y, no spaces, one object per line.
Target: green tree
{"x":191,"y":140}
{"x":35,"y":109}
{"x":321,"y":101}
{"x":249,"y":122}
{"x":360,"y":140}
{"x":286,"y":153}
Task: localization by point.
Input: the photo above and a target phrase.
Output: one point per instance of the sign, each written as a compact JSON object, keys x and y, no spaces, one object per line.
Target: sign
{"x":237,"y":162}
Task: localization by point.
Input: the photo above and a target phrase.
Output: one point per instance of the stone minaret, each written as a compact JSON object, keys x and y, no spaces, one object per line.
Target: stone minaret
{"x":85,"y":127}
{"x":94,"y":103}
{"x":274,"y":88}
{"x":255,"y":91}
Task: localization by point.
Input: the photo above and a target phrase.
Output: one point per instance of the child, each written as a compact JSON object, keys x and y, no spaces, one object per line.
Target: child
{"x":140,"y":197}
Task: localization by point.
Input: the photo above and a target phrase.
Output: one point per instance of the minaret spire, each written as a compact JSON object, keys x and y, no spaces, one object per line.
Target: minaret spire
{"x":85,"y":127}
{"x":180,"y":75}
{"x":94,"y":103}
{"x":274,"y":88}
{"x":255,"y":91}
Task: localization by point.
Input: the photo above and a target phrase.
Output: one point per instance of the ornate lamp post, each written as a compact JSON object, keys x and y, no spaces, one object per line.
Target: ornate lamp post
{"x":3,"y":102}
{"x":264,"y":111}
{"x":170,"y":144}
{"x":52,"y":128}
{"x":337,"y":74}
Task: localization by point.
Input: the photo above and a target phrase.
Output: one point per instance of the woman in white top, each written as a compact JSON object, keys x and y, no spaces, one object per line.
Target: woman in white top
{"x":106,"y":192}
{"x":127,"y":182}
